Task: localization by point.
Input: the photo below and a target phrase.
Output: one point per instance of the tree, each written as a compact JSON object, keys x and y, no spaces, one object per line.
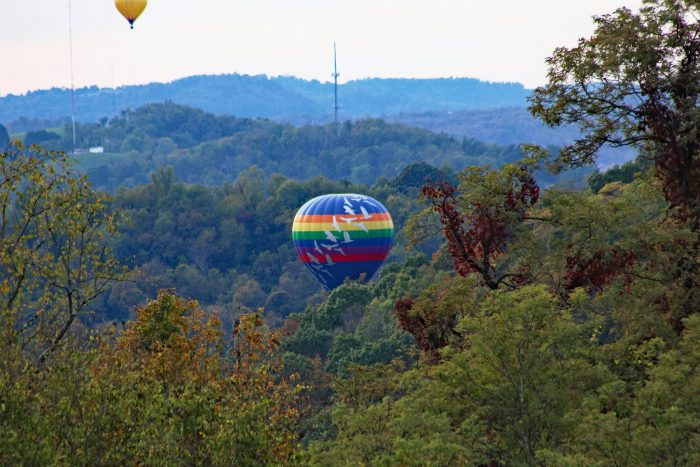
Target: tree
{"x":479,"y":220}
{"x":433,"y":318}
{"x":625,"y":174}
{"x":635,"y":82}
{"x":40,"y":137}
{"x":4,"y":138}
{"x":504,"y":398}
{"x":190,"y":395}
{"x":55,"y":256}
{"x":653,"y":423}
{"x":417,"y":174}
{"x":526,"y":365}
{"x":168,"y":388}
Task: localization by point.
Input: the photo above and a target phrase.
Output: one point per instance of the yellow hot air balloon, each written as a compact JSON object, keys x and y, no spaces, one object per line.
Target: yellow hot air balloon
{"x":131,"y":9}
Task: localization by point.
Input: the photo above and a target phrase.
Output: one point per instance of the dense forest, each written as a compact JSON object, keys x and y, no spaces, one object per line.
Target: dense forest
{"x":207,"y":149}
{"x":230,"y":246}
{"x":481,"y":118}
{"x":517,"y":321}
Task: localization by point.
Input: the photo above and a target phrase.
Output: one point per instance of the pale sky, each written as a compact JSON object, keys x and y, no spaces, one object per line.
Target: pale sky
{"x":494,"y":40}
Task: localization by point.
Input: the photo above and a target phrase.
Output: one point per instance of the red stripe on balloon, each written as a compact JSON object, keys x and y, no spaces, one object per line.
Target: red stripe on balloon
{"x":349,"y":258}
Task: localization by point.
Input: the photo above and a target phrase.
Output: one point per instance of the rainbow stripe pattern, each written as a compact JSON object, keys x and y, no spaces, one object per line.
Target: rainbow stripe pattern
{"x":342,"y":236}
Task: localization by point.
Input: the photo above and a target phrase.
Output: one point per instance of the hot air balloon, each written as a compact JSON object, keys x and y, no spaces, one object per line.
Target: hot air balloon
{"x":131,"y":9}
{"x":342,"y":236}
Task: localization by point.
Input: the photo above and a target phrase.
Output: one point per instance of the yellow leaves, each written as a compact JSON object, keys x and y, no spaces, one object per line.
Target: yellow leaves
{"x":5,"y":287}
{"x":174,"y":343}
{"x":55,"y":247}
{"x":612,"y":189}
{"x":646,"y":354}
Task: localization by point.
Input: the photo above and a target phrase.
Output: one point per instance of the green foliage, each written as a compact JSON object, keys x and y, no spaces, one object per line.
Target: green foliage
{"x":526,"y":365}
{"x":624,"y":174}
{"x":414,"y":176}
{"x":343,"y":307}
{"x":501,"y":399}
{"x":229,"y":246}
{"x":354,"y":325}
{"x":583,"y":365}
{"x":56,"y":239}
{"x":563,"y":371}
{"x":564,"y":332}
{"x":655,"y":423}
{"x":212,"y":150}
{"x":633,"y":83}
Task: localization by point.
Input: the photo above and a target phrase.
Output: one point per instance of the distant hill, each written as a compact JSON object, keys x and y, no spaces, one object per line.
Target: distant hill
{"x":382,"y":97}
{"x":461,"y":107}
{"x":509,"y":126}
{"x":213,"y":150}
{"x":208,"y":149}
{"x":289,"y":99}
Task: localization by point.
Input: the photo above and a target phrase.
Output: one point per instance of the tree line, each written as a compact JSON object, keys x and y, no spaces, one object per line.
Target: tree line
{"x":281,"y":98}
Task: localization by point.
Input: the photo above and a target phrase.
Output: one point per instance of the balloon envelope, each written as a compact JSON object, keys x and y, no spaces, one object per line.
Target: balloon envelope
{"x":130,"y":9}
{"x":341,"y":236}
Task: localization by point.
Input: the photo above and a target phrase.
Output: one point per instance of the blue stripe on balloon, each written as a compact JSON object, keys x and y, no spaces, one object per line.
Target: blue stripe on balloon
{"x":337,"y":273}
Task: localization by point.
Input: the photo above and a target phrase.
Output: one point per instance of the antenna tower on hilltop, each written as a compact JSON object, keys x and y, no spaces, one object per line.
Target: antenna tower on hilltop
{"x":72,"y":81}
{"x":335,"y":79}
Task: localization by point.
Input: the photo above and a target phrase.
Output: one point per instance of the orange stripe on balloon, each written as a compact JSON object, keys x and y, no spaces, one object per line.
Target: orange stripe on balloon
{"x":317,"y":218}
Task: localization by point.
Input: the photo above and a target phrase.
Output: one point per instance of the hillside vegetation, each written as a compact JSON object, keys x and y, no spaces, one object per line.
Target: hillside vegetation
{"x":211,"y":150}
{"x":516,"y":322}
{"x":463,"y":108}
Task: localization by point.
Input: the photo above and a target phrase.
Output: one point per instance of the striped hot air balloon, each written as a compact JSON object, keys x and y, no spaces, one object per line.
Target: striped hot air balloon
{"x":341,"y":236}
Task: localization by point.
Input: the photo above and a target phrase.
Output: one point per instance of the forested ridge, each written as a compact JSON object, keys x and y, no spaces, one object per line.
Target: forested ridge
{"x":463,"y":108}
{"x":212,"y":149}
{"x":282,"y":97}
{"x":518,"y":321}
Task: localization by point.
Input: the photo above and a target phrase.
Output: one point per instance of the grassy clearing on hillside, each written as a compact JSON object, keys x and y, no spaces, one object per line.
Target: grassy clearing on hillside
{"x":88,"y":160}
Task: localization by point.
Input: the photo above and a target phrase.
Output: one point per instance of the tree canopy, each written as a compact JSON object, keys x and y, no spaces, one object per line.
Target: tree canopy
{"x":636,"y":82}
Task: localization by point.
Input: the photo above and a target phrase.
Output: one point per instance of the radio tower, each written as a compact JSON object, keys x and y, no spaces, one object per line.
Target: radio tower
{"x":335,"y":79}
{"x":72,"y":81}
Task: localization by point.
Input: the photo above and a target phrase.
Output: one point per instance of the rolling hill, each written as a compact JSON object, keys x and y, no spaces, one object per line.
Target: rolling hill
{"x":289,"y":99}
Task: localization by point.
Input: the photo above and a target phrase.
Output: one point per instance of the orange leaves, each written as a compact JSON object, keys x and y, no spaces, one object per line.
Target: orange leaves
{"x":480,"y":235}
{"x":225,"y":399}
{"x":171,"y":340}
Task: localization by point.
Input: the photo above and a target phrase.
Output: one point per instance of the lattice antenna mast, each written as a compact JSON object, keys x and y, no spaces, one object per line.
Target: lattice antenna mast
{"x":335,"y":80}
{"x":72,"y":80}
{"x":114,"y":94}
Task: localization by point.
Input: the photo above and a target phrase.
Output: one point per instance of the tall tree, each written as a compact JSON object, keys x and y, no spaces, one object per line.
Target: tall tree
{"x":478,"y":221}
{"x":635,"y":82}
{"x":188,"y":394}
{"x":55,"y":257}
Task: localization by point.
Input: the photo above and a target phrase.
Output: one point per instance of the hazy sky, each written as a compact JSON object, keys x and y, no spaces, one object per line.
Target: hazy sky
{"x":496,"y":40}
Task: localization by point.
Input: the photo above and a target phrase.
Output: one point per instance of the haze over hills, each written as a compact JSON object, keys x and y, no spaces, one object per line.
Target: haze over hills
{"x":285,"y":98}
{"x":461,"y":107}
{"x":507,"y":126}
